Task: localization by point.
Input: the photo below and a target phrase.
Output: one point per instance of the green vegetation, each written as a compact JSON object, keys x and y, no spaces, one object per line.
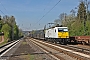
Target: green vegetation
{"x":9,"y":28}
{"x":31,"y":57}
{"x":77,"y":28}
{"x":28,"y":57}
{"x":24,"y":43}
{"x":6,"y":29}
{"x":79,"y":23}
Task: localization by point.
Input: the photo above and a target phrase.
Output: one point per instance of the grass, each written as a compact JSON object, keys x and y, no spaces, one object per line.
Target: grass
{"x":24,"y":43}
{"x":31,"y":57}
{"x":28,"y":57}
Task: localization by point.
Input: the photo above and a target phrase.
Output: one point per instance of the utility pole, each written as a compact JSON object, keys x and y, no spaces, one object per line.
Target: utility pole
{"x":30,"y":26}
{"x":44,"y":27}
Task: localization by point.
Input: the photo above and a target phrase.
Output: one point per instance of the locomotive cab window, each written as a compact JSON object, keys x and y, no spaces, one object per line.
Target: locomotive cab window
{"x":60,"y":30}
{"x":65,"y":30}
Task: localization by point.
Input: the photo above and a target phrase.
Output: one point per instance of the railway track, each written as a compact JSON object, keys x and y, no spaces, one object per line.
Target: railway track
{"x":77,"y":53}
{"x":75,"y":48}
{"x":5,"y":48}
{"x":49,"y":53}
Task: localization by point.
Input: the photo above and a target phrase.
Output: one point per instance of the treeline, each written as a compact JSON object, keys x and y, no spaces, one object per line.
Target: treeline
{"x":77,"y":22}
{"x":9,"y":28}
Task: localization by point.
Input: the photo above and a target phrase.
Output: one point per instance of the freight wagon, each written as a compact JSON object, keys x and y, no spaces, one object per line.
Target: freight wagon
{"x":81,"y":39}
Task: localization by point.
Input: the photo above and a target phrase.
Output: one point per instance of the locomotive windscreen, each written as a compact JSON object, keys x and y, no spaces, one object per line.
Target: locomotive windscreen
{"x":62,"y":30}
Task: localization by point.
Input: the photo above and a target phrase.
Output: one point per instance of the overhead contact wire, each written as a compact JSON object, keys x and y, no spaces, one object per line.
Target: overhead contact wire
{"x":2,"y":12}
{"x":48,"y":11}
{"x":4,"y":8}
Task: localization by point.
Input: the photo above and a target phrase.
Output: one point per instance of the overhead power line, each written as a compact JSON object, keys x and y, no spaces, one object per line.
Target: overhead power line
{"x":4,"y":8}
{"x":48,"y":11}
{"x":2,"y":12}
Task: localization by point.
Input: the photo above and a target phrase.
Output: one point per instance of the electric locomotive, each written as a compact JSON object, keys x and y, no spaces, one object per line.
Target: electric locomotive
{"x":53,"y":34}
{"x":57,"y":35}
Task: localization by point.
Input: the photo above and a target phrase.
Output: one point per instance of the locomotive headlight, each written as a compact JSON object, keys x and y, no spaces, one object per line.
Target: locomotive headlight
{"x":67,"y":36}
{"x":59,"y":36}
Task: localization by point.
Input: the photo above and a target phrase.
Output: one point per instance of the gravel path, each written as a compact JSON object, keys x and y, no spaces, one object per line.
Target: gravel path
{"x":27,"y":51}
{"x":23,"y":52}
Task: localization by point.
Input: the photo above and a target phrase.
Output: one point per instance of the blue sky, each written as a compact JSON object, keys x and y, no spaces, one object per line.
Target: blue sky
{"x":29,"y":12}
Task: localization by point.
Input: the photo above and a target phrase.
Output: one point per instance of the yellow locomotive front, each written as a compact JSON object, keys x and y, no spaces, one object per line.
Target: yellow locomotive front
{"x":63,"y":35}
{"x":63,"y":32}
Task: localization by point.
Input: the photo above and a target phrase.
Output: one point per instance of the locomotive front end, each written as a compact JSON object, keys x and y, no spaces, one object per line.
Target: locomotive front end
{"x":63,"y":33}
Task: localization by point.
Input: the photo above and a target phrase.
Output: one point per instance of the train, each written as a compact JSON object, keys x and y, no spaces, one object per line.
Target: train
{"x":59,"y":34}
{"x":55,"y":34}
